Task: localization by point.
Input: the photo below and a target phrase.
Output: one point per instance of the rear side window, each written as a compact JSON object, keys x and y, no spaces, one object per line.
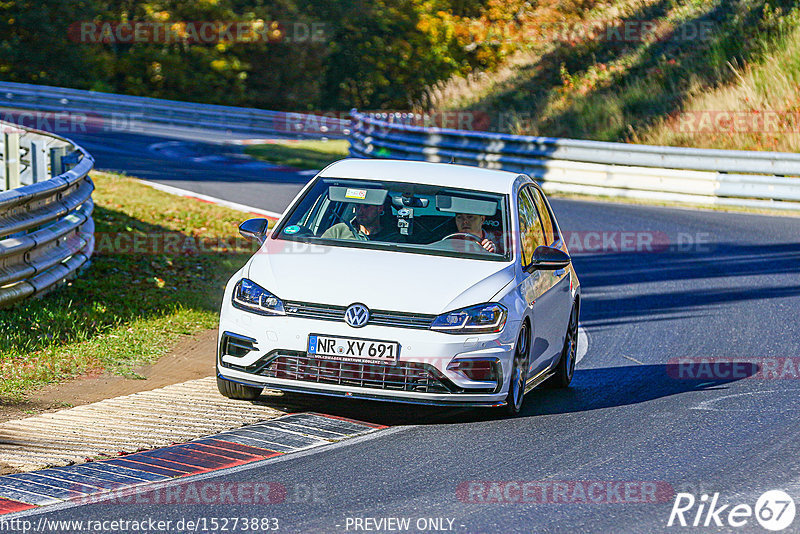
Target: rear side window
{"x":544,"y":215}
{"x":530,"y":227}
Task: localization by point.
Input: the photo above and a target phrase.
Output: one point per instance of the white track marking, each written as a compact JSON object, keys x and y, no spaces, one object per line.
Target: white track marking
{"x":191,"y":194}
{"x":711,"y":404}
{"x":583,"y":344}
{"x":634,"y":360}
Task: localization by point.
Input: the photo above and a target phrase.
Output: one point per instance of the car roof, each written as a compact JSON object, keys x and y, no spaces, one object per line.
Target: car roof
{"x":421,"y":172}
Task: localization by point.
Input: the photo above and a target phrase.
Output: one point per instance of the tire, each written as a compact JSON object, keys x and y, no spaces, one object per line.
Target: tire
{"x":519,"y":374}
{"x":232,"y":390}
{"x":566,"y":364}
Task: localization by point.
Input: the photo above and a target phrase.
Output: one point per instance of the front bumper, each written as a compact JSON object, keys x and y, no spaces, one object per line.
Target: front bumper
{"x":452,"y":401}
{"x":276,"y":358}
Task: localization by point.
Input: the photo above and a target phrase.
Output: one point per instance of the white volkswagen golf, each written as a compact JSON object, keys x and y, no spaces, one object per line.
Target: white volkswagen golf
{"x":404,"y":281}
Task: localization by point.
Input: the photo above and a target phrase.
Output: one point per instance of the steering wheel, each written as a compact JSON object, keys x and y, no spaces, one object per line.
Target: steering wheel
{"x":463,"y":235}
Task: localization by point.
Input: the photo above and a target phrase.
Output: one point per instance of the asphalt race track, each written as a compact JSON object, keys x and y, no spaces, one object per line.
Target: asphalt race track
{"x":216,"y":170}
{"x":701,"y":284}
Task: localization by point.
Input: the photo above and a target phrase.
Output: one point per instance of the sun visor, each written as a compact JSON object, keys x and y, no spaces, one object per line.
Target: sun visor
{"x":357,"y":195}
{"x":458,"y":204}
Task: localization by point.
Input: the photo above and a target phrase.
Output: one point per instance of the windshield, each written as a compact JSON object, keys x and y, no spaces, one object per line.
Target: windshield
{"x":404,"y":217}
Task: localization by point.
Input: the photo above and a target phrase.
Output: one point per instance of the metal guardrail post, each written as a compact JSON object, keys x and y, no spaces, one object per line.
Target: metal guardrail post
{"x":46,"y":228}
{"x":68,"y":161}
{"x":56,"y":162}
{"x":11,"y":160}
{"x":38,"y":162}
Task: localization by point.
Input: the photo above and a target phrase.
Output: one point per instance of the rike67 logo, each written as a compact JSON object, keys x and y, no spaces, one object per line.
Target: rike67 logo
{"x":774,"y":510}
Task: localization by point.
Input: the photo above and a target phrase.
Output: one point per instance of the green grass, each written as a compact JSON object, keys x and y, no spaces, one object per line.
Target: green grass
{"x":612,"y":91}
{"x":126,"y":309}
{"x":771,"y":85}
{"x":305,"y":154}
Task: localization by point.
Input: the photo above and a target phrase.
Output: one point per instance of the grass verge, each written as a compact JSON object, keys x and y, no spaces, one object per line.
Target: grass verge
{"x":764,"y":105}
{"x":137,"y":297}
{"x":303,"y":154}
{"x":631,"y":90}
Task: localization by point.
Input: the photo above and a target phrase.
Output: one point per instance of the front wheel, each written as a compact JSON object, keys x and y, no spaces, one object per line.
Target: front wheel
{"x":566,"y":365}
{"x":519,"y":374}
{"x":232,"y":390}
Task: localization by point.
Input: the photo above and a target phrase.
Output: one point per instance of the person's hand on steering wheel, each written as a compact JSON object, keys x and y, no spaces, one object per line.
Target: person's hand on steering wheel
{"x":488,"y":245}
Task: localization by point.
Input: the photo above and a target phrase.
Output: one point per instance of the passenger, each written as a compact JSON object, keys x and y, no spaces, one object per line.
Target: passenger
{"x":469,"y":223}
{"x":365,"y":226}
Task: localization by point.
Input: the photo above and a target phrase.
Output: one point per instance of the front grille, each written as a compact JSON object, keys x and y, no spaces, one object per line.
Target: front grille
{"x":405,"y":376}
{"x":400,"y":319}
{"x":314,"y":311}
{"x":327,"y":312}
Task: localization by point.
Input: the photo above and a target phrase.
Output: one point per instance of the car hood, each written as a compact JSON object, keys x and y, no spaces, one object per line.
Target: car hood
{"x":382,"y":280}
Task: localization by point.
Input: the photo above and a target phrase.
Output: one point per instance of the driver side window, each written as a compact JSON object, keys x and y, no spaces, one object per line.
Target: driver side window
{"x":530,"y":227}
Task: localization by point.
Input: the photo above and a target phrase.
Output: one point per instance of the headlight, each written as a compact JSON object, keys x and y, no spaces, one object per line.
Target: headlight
{"x":483,"y":318}
{"x":249,"y":296}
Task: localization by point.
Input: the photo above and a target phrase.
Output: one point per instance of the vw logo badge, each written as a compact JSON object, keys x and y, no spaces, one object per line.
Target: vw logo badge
{"x":356,"y":315}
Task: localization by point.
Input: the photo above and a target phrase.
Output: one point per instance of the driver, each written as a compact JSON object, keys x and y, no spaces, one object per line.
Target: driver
{"x":365,"y":226}
{"x":469,"y":223}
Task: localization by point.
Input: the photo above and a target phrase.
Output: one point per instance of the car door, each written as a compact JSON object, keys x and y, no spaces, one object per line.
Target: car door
{"x":548,"y":314}
{"x":535,"y":283}
{"x":559,"y":294}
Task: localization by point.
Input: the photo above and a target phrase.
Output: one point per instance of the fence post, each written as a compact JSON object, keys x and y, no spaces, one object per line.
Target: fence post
{"x":56,"y":165}
{"x":11,"y":159}
{"x":38,"y":161}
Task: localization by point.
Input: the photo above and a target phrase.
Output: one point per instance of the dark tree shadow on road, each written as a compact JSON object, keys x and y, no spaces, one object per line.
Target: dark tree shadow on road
{"x":614,"y":274}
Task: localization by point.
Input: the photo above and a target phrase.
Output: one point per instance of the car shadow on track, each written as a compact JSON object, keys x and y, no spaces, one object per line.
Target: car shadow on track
{"x":591,"y":389}
{"x":609,"y":387}
{"x":375,"y":412}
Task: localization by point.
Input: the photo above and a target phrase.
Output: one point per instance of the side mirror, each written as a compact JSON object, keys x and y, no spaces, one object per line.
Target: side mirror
{"x":255,"y":229}
{"x":550,"y":259}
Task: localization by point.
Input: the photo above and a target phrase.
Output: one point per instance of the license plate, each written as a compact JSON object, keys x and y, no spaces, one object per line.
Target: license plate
{"x":351,"y":349}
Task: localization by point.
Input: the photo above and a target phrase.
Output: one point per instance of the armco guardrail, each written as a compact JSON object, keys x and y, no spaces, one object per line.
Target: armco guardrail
{"x":697,"y":176}
{"x":124,"y":112}
{"x":46,"y":227}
